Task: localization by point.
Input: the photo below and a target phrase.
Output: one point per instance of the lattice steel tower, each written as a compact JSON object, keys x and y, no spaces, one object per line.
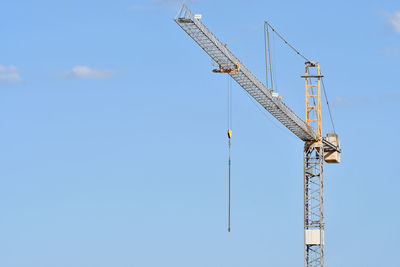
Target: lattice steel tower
{"x":313,"y":172}
{"x":317,"y":149}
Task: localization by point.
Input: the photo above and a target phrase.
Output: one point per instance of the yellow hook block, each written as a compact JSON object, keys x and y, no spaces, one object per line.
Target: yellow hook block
{"x":229,"y":133}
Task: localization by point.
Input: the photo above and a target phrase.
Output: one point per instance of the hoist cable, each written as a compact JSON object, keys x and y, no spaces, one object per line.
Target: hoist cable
{"x":229,"y":187}
{"x":229,"y":102}
{"x":229,"y":132}
{"x":269,"y":56}
{"x":274,"y":63}
{"x":266,"y":53}
{"x":329,"y":108}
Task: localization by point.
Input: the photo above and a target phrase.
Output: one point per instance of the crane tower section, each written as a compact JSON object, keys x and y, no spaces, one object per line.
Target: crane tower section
{"x":313,"y":97}
{"x":314,"y":246}
{"x":314,"y":205}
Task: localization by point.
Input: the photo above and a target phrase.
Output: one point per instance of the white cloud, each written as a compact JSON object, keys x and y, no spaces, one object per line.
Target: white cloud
{"x":9,"y":74}
{"x":86,"y":72}
{"x":393,"y":19}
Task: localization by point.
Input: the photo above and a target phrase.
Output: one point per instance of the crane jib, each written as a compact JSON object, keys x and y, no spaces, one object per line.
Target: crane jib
{"x":247,"y":80}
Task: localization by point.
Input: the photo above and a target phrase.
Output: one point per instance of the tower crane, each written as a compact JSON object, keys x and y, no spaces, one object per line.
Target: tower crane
{"x":317,"y":148}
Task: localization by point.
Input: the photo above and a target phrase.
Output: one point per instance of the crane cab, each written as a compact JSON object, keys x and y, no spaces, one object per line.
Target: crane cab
{"x":332,"y":156}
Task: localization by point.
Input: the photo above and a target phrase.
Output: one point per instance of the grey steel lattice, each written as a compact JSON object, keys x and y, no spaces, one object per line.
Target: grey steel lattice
{"x":223,"y":57}
{"x":314,"y":203}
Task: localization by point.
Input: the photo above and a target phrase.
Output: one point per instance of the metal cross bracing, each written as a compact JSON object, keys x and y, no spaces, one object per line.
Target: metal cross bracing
{"x":222,"y":56}
{"x":313,"y":205}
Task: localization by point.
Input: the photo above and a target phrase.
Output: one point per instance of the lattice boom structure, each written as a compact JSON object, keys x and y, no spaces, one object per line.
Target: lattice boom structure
{"x":223,"y":57}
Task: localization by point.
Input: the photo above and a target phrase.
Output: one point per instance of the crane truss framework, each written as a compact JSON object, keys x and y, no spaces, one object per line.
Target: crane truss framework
{"x":313,"y":97}
{"x":313,"y":205}
{"x":226,"y":60}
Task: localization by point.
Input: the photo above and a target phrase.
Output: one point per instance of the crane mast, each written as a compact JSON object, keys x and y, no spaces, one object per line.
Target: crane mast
{"x":317,"y":149}
{"x":313,"y":171}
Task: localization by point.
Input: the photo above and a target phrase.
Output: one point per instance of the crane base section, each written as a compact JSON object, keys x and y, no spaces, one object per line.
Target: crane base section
{"x":314,"y":205}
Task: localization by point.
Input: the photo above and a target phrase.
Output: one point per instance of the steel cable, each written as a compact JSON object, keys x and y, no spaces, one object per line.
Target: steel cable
{"x":286,"y":42}
{"x":329,"y":108}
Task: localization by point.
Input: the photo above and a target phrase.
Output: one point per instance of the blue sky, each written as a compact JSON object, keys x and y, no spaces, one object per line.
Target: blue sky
{"x":113,"y":135}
